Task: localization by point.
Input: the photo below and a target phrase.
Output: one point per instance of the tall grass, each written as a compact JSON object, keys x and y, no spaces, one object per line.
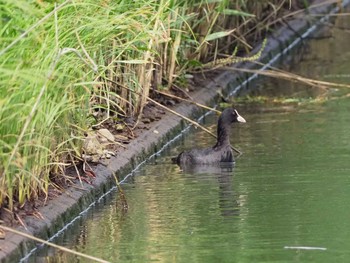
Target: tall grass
{"x":56,"y":63}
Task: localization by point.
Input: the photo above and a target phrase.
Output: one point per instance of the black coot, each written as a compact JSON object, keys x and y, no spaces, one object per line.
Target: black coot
{"x":221,"y":151}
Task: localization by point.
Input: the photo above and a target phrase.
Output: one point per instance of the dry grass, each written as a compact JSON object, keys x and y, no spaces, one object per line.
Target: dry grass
{"x":56,"y":63}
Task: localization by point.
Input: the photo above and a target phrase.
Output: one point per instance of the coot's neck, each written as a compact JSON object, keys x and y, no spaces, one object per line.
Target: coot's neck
{"x":223,"y":134}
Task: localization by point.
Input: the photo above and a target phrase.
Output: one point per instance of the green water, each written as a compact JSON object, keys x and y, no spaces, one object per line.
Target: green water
{"x":291,"y":187}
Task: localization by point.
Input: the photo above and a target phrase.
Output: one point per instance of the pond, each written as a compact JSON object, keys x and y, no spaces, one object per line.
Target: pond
{"x":289,"y":189}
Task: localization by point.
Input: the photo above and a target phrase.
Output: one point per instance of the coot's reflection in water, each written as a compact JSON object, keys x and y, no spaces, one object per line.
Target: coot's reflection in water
{"x":224,"y":172}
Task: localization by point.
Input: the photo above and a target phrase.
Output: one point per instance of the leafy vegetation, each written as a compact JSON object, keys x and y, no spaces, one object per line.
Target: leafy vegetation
{"x":60,"y":63}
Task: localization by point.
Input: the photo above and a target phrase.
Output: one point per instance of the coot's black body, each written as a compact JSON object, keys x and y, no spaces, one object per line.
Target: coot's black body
{"x":221,"y":152}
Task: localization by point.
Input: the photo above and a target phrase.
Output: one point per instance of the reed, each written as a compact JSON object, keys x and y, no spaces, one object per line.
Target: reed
{"x":56,"y":62}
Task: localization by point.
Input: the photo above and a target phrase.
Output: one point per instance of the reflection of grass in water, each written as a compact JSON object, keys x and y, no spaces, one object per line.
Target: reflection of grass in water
{"x":279,"y":100}
{"x":330,"y":95}
{"x":265,"y":103}
{"x":302,"y":90}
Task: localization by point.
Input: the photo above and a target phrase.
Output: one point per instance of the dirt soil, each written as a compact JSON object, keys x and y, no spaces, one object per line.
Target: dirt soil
{"x":124,"y":132}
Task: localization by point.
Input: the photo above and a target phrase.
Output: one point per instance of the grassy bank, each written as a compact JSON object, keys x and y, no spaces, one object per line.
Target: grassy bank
{"x":60,"y":64}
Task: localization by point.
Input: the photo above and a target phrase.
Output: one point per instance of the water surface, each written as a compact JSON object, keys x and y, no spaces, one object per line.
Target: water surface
{"x":290,"y":188}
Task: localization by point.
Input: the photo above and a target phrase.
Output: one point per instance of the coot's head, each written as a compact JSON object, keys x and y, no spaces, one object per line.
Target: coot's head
{"x":231,"y":115}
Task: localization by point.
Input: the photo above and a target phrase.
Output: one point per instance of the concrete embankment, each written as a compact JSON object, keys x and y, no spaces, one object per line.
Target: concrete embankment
{"x":73,"y":202}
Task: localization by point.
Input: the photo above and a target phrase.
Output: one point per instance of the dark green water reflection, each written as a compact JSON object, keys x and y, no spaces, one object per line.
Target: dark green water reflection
{"x":291,"y":187}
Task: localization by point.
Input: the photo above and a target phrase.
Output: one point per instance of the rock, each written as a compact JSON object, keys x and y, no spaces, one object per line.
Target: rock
{"x":119,"y":127}
{"x":121,"y":138}
{"x":106,"y":134}
{"x":93,"y":149}
{"x":92,"y":146}
{"x":108,"y":154}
